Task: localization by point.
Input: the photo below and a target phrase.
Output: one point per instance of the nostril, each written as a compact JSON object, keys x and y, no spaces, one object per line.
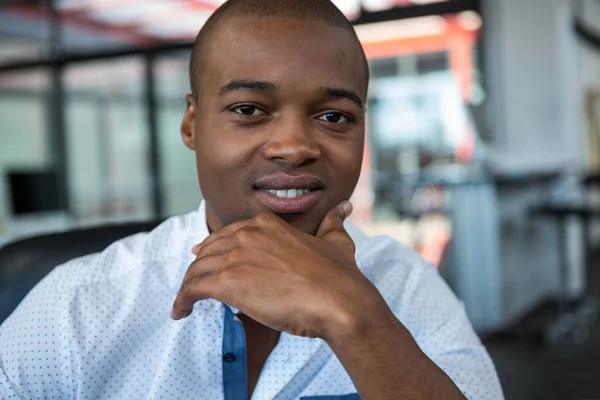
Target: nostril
{"x":294,"y":160}
{"x":294,"y":149}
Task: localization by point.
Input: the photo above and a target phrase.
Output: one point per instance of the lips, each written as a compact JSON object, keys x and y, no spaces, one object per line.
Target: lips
{"x":287,"y":182}
{"x":285,"y":194}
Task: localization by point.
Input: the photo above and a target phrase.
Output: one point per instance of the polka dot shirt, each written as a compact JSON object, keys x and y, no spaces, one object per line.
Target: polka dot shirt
{"x":98,"y":327}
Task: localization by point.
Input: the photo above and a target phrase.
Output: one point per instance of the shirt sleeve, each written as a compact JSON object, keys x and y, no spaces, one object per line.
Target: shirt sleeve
{"x":441,"y":328}
{"x":30,"y":364}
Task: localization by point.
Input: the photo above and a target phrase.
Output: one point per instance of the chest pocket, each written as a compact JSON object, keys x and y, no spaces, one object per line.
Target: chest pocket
{"x":353,"y":396}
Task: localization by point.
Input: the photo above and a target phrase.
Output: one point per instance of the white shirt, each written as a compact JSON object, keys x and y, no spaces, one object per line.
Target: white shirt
{"x":98,"y":327}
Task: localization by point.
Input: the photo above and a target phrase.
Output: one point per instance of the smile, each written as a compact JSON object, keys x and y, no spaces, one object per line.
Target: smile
{"x":288,"y":193}
{"x":291,"y":201}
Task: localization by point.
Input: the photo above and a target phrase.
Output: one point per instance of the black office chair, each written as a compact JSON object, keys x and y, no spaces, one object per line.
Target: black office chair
{"x":24,"y":263}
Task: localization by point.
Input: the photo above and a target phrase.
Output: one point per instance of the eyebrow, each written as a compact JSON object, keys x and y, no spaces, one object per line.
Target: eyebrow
{"x":265,"y":86}
{"x":344,"y":94}
{"x":247,"y":84}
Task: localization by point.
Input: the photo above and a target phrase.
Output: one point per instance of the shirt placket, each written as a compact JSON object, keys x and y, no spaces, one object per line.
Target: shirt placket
{"x":235,"y":380}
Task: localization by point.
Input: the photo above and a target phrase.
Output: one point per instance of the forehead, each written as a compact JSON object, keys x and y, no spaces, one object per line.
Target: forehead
{"x":290,"y":52}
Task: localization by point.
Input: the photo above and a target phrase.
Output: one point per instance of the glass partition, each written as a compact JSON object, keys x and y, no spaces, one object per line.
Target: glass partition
{"x":107,"y":136}
{"x":180,"y":189}
{"x":24,"y":139}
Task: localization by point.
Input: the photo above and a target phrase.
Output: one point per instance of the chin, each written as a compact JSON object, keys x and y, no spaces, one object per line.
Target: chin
{"x":302,"y":222}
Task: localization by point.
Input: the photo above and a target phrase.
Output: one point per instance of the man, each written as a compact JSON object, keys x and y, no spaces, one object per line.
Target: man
{"x":279,"y":299}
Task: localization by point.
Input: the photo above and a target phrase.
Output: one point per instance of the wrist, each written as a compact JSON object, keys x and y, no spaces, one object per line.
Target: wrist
{"x":350,"y":325}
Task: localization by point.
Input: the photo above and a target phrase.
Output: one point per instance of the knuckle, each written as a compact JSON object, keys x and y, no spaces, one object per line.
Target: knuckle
{"x":235,"y":256}
{"x":265,"y":218}
{"x":188,"y":284}
{"x":191,"y":272}
{"x":246,"y":234}
{"x":226,"y":278}
{"x":195,"y":268}
{"x":202,"y":252}
{"x":207,"y":249}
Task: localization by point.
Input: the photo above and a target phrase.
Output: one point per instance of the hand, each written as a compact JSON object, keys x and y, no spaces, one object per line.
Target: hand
{"x":281,"y":277}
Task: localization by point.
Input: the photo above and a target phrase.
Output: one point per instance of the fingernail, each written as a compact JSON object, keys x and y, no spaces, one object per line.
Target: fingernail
{"x":195,"y":249}
{"x":347,"y":207}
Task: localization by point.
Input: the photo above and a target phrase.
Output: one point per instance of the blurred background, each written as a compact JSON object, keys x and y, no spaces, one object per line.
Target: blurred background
{"x":483,"y":149}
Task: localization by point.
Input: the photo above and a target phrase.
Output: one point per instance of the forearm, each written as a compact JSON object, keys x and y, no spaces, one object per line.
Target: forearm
{"x":385,"y":362}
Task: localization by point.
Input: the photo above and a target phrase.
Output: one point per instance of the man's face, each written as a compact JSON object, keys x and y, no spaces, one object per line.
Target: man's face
{"x":278,"y":125}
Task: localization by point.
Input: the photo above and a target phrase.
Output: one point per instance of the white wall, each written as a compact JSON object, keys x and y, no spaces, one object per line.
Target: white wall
{"x":531,"y":65}
{"x":589,"y":56}
{"x":535,"y":110}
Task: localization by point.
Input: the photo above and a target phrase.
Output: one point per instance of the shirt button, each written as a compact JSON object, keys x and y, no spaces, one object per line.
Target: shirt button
{"x":229,"y":357}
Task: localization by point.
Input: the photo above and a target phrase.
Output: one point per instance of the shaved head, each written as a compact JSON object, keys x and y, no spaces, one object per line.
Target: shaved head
{"x":314,"y":10}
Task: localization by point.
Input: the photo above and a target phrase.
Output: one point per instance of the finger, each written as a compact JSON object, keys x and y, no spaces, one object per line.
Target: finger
{"x":219,"y":245}
{"x":334,"y":220}
{"x":332,"y":228}
{"x":264,"y":219}
{"x":198,"y":284}
{"x":226,"y":231}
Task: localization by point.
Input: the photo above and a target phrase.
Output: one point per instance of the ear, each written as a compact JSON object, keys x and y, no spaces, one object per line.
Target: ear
{"x":188,"y":123}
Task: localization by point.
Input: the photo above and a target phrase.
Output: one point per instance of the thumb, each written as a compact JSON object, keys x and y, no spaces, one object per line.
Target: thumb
{"x":334,"y":220}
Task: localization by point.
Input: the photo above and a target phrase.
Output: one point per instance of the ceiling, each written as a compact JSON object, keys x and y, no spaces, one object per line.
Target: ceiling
{"x":143,"y":20}
{"x":177,"y":19}
{"x":96,"y":25}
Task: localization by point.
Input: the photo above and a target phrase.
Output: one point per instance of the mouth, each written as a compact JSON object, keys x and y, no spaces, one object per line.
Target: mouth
{"x":287,"y":194}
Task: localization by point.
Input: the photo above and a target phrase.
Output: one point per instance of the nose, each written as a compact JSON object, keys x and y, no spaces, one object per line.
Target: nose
{"x":293,"y":144}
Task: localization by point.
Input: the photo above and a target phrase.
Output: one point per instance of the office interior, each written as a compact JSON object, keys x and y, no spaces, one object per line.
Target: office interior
{"x":482,"y":153}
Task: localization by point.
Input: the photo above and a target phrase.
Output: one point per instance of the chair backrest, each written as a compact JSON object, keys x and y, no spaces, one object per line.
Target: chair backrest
{"x":24,"y":263}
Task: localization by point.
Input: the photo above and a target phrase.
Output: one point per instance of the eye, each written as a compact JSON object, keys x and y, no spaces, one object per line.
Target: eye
{"x":248,"y":110}
{"x":334,"y":118}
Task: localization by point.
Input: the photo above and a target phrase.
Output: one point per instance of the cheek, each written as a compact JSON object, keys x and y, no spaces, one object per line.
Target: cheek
{"x":221,"y":159}
{"x":347,"y":162}
{"x":222,"y":164}
{"x":217,"y":150}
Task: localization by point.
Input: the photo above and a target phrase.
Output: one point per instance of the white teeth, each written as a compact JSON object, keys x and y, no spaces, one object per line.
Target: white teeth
{"x":289,"y":194}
